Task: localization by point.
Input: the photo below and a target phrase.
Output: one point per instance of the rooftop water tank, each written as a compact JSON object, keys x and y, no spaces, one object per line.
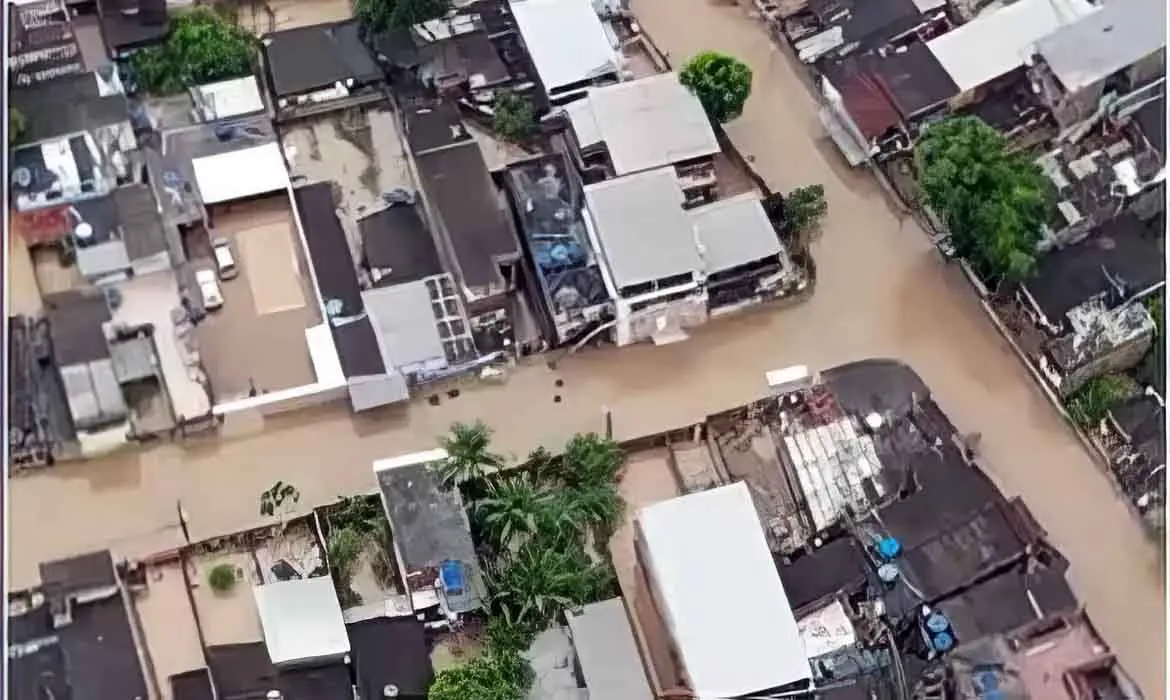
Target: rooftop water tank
{"x":889,"y":548}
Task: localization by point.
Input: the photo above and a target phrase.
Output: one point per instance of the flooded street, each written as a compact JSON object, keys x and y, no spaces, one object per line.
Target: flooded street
{"x":882,"y":292}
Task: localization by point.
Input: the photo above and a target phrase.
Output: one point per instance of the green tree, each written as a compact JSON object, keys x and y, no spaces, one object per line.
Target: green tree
{"x":203,"y":47}
{"x":531,"y":587}
{"x":513,"y":117}
{"x":469,"y":455}
{"x":222,"y":578}
{"x":722,"y":84}
{"x":497,"y":675}
{"x":1091,"y":403}
{"x":379,"y":15}
{"x":513,"y":506}
{"x":590,"y":460}
{"x":994,"y":202}
{"x":16,"y":125}
{"x":804,"y":207}
{"x":597,"y":508}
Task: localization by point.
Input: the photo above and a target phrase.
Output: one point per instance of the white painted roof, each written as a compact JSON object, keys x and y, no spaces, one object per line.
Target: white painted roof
{"x":720,"y":594}
{"x":1000,"y":40}
{"x":610,"y":662}
{"x":646,"y":123}
{"x":826,"y":630}
{"x":301,"y":620}
{"x":565,"y":40}
{"x":645,"y":234}
{"x":229,"y":98}
{"x":239,"y":174}
{"x":1121,"y":34}
{"x":734,"y":231}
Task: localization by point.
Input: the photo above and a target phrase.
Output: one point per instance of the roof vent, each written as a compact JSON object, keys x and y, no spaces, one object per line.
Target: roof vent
{"x":390,"y":691}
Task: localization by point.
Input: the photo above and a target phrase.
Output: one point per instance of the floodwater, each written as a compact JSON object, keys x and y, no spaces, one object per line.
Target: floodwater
{"x":883,"y":292}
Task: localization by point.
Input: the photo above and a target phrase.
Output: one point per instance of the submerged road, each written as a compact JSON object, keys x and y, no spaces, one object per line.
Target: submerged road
{"x":883,"y":292}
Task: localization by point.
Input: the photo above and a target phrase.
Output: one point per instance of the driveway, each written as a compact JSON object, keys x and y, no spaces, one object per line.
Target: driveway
{"x":883,"y":292}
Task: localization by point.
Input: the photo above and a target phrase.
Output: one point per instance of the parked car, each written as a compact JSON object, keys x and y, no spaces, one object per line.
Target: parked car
{"x":209,"y":288}
{"x":225,"y":261}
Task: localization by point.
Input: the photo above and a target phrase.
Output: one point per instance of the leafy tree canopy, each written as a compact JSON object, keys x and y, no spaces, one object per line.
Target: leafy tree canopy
{"x":994,"y":202}
{"x":379,"y":15}
{"x":513,"y":118}
{"x":203,"y":47}
{"x":721,"y":83}
{"x":498,"y":675}
{"x":805,"y":207}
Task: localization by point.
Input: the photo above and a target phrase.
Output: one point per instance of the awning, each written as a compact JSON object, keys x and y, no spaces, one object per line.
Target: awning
{"x":240,"y":174}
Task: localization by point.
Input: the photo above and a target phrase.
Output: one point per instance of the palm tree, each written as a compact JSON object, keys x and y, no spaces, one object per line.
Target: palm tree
{"x":512,"y":506}
{"x":598,"y":509}
{"x":591,"y":460}
{"x":469,"y":458}
{"x":531,"y":587}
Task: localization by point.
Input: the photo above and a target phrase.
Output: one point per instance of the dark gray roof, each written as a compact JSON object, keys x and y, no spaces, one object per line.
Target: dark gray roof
{"x":838,"y":566}
{"x":1005,"y":602}
{"x":396,"y":239}
{"x":304,"y":59}
{"x":390,"y":651}
{"x":101,"y":658}
{"x":75,"y":326}
{"x":80,"y":573}
{"x":129,"y":24}
{"x":1151,"y":118}
{"x":192,"y":685}
{"x":434,"y":125}
{"x":914,"y":79}
{"x":870,"y":23}
{"x":42,"y":43}
{"x":1125,"y":248}
{"x":462,"y":196}
{"x":244,"y":672}
{"x":138,"y":217}
{"x":1143,"y":420}
{"x":39,"y":674}
{"x":328,"y":247}
{"x":358,"y":349}
{"x":428,"y":524}
{"x":45,"y":118}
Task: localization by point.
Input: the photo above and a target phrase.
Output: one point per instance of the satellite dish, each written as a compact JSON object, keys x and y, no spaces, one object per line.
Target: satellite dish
{"x":83,"y":231}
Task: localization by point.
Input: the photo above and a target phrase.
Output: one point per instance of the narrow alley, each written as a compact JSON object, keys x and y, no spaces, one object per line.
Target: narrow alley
{"x":882,"y":292}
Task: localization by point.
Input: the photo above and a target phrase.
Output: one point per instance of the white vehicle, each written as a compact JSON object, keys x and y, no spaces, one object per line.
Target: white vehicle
{"x":225,"y":262}
{"x":209,"y":288}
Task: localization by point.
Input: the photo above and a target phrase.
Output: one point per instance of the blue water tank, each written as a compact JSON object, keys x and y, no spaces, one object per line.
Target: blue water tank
{"x":889,"y":548}
{"x":942,"y":642}
{"x":937,"y":622}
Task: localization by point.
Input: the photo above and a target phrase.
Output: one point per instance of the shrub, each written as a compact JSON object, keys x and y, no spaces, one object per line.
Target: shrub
{"x":721,"y":83}
{"x":513,"y":118}
{"x":804,"y":208}
{"x":222,"y":578}
{"x":498,"y":675}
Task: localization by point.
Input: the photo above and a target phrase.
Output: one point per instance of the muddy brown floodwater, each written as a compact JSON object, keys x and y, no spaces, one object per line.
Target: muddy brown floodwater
{"x":883,"y":292}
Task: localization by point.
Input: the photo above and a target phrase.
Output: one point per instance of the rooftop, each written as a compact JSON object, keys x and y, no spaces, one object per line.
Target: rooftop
{"x":390,"y":651}
{"x":913,"y":79}
{"x":644,"y":124}
{"x":610,"y":662}
{"x":397,"y":247}
{"x":75,"y":326}
{"x":690,"y":544}
{"x":302,"y":621}
{"x":42,"y":43}
{"x":306,"y":59}
{"x":131,"y":24}
{"x":1112,"y":39}
{"x":244,"y":671}
{"x":240,"y":174}
{"x":1001,"y":39}
{"x":565,"y":40}
{"x":1151,"y":119}
{"x":839,"y":24}
{"x":95,"y":99}
{"x":407,"y":328}
{"x":1120,"y":259}
{"x":734,"y":231}
{"x":461,"y":199}
{"x":235,"y":97}
{"x":333,"y":266}
{"x":452,"y":57}
{"x":1141,"y":421}
{"x":645,"y":234}
{"x":430,"y":528}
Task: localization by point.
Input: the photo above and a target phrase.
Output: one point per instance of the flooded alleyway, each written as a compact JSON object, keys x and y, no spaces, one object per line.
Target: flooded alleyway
{"x":883,"y":292}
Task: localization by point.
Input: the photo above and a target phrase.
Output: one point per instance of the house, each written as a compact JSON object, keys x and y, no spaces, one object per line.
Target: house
{"x":390,"y":653}
{"x":432,"y":538}
{"x":1058,"y":657}
{"x":1086,"y":299}
{"x":302,"y":622}
{"x":546,"y":198}
{"x":827,"y":30}
{"x":668,"y":267}
{"x":874,"y":104}
{"x":42,"y":43}
{"x":465,"y":209}
{"x":129,"y":25}
{"x":1112,"y":51}
{"x":320,"y":68}
{"x":1134,"y":434}
{"x":71,"y":155}
{"x":72,"y":637}
{"x":77,"y":322}
{"x":40,"y":423}
{"x":686,"y":546}
{"x":456,"y":54}
{"x":396,"y":246}
{"x":568,"y":46}
{"x":227,"y":99}
{"x":610,"y":663}
{"x":1000,"y":40}
{"x":643,"y":125}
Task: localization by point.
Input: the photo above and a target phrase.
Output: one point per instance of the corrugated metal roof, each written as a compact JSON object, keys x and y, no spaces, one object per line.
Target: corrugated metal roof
{"x":1120,"y":34}
{"x":734,"y":231}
